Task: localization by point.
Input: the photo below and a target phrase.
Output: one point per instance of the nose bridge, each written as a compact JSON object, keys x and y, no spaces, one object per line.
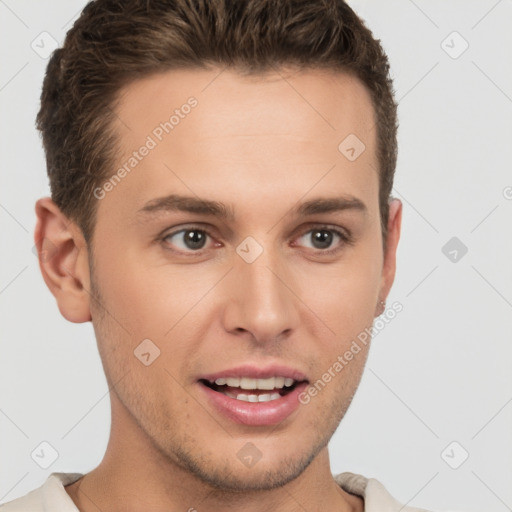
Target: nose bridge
{"x":259,"y":301}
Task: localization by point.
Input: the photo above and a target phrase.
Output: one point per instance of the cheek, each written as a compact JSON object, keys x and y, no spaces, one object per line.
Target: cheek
{"x":146,"y":301}
{"x":345,"y":294}
{"x":160,"y":303}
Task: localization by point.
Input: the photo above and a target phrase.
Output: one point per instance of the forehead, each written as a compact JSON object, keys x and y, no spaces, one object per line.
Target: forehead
{"x":217,"y":130}
{"x":311,"y":101}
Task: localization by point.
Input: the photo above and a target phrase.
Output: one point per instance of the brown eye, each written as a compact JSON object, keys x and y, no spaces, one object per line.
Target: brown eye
{"x":322,"y":239}
{"x":188,"y":239}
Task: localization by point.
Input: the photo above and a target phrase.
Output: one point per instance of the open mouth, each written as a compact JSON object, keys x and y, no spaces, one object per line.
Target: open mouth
{"x":253,"y":390}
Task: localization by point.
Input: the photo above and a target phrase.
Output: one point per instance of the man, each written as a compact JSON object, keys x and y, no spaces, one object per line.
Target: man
{"x":221,"y":212}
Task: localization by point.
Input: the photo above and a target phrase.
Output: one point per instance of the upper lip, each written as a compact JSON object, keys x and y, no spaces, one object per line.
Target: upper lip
{"x":257,"y":372}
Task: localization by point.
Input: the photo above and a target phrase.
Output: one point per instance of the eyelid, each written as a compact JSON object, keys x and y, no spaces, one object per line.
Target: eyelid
{"x":344,"y":233}
{"x":345,"y":236}
{"x":191,"y":227}
{"x":199,"y":226}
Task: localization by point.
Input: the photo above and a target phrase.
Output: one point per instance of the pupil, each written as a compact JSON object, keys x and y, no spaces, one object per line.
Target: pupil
{"x":194,"y":239}
{"x":322,"y":239}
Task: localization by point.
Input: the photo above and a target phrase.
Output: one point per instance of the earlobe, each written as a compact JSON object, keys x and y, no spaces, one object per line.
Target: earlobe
{"x":393,"y":237}
{"x":63,"y":260}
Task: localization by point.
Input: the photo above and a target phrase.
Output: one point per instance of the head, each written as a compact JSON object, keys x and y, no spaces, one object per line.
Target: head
{"x":203,"y":199}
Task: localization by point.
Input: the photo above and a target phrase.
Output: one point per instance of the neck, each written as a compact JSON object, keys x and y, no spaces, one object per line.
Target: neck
{"x":134,"y":475}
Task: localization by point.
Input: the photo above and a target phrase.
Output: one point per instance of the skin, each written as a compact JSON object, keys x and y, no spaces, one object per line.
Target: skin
{"x":260,"y":145}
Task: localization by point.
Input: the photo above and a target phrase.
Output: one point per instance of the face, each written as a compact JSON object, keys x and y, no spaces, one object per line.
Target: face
{"x":241,"y":244}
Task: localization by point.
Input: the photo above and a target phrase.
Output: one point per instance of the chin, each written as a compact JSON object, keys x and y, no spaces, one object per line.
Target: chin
{"x":254,"y":479}
{"x":235,"y":476}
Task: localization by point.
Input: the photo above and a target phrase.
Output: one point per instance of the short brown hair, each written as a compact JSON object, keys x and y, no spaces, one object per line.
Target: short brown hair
{"x":115,"y":42}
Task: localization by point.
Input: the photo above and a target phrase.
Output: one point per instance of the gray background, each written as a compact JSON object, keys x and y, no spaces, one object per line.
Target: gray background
{"x":438,"y":373}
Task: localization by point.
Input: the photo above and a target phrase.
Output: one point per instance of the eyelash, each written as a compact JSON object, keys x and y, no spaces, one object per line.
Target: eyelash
{"x":345,"y":237}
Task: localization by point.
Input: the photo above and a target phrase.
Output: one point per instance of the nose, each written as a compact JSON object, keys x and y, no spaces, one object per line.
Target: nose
{"x":260,"y":302}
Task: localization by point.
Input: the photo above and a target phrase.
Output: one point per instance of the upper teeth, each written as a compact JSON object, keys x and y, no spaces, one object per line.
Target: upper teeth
{"x":248,"y":383}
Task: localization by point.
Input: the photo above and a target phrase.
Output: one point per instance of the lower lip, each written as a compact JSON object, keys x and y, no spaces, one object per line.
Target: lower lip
{"x":255,"y":413}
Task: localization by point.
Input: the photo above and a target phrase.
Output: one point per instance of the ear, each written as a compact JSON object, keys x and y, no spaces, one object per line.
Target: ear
{"x":393,"y":236}
{"x":63,"y":260}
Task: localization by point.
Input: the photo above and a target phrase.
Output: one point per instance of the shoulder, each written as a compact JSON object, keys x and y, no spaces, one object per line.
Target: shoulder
{"x":376,"y":497}
{"x":48,"y":497}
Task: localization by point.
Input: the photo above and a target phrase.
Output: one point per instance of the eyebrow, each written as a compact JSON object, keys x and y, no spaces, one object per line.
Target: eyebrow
{"x":189,"y":204}
{"x":174,"y":202}
{"x":330,"y":205}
